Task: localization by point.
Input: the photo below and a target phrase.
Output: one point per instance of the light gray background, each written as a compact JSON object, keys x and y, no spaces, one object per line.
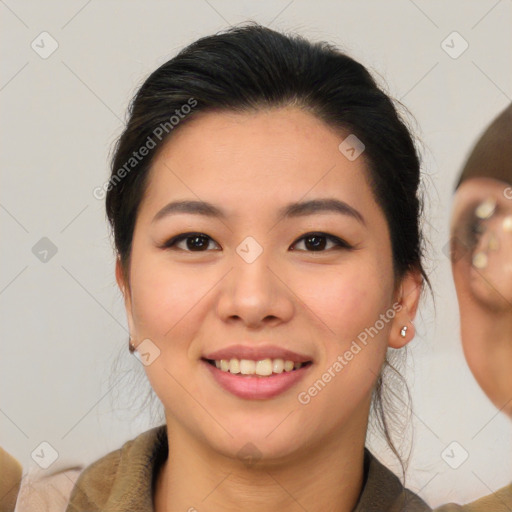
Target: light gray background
{"x":63,"y":322}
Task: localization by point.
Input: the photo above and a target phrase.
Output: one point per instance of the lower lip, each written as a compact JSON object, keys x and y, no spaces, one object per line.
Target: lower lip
{"x":252,"y":387}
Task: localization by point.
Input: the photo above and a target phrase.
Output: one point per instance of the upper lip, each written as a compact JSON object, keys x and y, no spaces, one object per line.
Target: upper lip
{"x":257,"y":353}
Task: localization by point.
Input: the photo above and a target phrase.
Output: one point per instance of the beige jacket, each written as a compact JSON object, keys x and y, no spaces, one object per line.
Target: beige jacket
{"x":35,"y":490}
{"x":122,"y":480}
{"x":499,"y":501}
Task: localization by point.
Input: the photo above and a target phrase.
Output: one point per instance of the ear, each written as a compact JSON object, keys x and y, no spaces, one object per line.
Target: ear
{"x":405,"y":306}
{"x":124,"y":286}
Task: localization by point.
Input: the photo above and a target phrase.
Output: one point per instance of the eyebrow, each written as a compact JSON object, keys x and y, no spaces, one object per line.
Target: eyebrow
{"x":292,"y":210}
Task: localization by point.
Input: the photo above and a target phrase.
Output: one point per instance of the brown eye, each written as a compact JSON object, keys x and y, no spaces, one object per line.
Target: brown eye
{"x":194,"y":242}
{"x":316,"y":242}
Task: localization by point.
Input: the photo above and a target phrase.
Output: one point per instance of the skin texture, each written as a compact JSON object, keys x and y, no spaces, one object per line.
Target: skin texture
{"x":485,"y":294}
{"x":189,"y":303}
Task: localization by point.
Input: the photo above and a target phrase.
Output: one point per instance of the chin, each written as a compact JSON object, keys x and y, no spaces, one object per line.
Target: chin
{"x":252,"y":446}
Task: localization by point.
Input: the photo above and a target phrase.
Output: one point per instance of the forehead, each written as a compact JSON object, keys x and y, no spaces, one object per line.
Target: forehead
{"x":476,"y":189}
{"x":264,"y":157}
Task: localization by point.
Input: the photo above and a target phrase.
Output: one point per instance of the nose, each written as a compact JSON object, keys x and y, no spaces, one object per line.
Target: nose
{"x":255,"y":294}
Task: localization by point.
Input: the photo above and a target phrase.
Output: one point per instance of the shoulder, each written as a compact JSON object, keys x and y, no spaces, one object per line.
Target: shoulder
{"x":96,"y":478}
{"x":46,"y":492}
{"x":34,"y":489}
{"x":383,"y":491}
{"x":499,"y":501}
{"x":10,"y":480}
{"x":118,"y":473}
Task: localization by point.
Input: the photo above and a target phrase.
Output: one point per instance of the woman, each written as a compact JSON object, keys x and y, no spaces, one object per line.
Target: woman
{"x":264,"y":205}
{"x":481,"y":234}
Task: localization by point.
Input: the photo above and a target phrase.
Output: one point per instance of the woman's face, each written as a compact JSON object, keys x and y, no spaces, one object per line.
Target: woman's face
{"x":481,"y":229}
{"x":252,"y":278}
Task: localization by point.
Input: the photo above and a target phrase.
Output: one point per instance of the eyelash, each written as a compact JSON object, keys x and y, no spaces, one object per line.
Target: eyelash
{"x":339,"y":243}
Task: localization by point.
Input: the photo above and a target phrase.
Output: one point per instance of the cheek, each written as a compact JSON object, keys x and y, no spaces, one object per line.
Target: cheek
{"x":167,"y":302}
{"x":491,"y":281}
{"x":354,"y":333}
{"x":353,"y":315}
{"x":164,"y":295}
{"x":348,"y":299}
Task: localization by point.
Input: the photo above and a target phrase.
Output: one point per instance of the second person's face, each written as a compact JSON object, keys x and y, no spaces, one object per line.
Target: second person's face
{"x":481,"y":230}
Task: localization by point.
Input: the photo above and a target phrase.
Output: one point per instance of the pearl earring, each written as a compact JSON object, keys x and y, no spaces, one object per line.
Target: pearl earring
{"x":403,"y":331}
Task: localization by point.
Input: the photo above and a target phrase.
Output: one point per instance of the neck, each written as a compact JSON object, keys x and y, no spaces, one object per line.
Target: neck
{"x":328,"y":476}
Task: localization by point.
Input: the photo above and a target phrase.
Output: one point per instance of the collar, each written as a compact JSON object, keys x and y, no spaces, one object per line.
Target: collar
{"x":123,"y":481}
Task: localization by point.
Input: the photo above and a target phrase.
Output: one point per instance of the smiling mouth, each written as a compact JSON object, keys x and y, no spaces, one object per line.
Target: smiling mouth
{"x":260,"y":368}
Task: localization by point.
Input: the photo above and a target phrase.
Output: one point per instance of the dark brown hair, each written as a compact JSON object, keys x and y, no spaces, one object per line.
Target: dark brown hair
{"x":492,"y":155}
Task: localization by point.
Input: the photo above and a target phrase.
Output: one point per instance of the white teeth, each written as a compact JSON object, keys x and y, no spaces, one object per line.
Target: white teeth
{"x":247,"y":367}
{"x":278,"y":366}
{"x":288,"y":366}
{"x":263,"y":367}
{"x":234,"y":366}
